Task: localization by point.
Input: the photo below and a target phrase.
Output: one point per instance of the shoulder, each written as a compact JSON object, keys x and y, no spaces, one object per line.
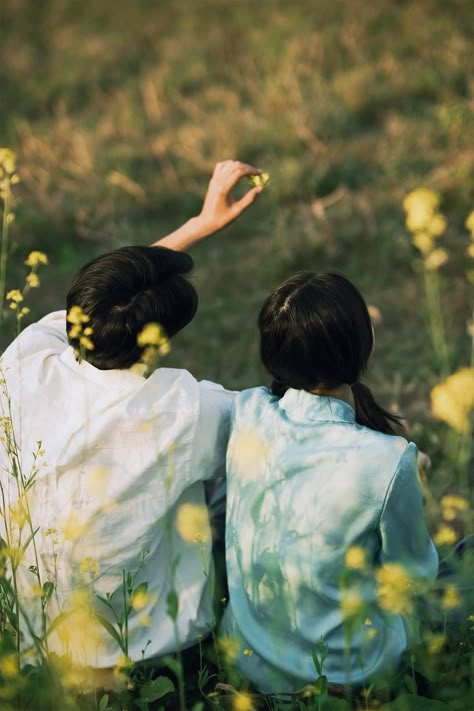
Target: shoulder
{"x":47,"y":334}
{"x":253,"y":402}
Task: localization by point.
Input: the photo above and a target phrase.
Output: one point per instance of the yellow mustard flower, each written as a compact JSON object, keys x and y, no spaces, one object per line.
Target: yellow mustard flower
{"x":192,"y":522}
{"x":420,"y":206}
{"x":151,"y":335}
{"x":435,"y":643}
{"x":33,"y":280}
{"x":356,"y":558}
{"x":89,"y":567}
{"x":229,"y":647}
{"x":242,"y":702}
{"x":15,"y":296}
{"x":436,"y":259}
{"x":395,"y":591}
{"x":470,"y":250}
{"x":445,"y":535}
{"x":9,"y":667}
{"x":74,"y":528}
{"x":470,"y":223}
{"x":260,"y":180}
{"x":451,"y":599}
{"x":247,"y":652}
{"x":453,"y":501}
{"x":453,"y":400}
{"x":141,"y":599}
{"x":36,"y":258}
{"x":352,"y":604}
{"x":7,"y":161}
{"x":423,"y":241}
{"x":76,"y":316}
{"x":122,"y":669}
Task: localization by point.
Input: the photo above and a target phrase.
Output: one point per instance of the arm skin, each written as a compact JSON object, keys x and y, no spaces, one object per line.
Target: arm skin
{"x":219,"y":208}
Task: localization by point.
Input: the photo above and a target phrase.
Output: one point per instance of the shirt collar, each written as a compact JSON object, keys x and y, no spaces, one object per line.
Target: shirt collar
{"x":302,"y":405}
{"x":122,"y":379}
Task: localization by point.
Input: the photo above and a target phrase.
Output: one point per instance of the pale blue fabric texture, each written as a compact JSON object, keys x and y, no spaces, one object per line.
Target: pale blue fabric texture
{"x":306,"y":483}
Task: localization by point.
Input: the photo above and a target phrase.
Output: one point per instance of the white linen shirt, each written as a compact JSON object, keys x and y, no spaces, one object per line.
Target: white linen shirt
{"x":122,"y":454}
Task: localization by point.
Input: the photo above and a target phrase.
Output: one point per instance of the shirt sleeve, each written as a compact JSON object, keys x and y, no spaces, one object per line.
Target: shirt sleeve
{"x":405,"y":539}
{"x":212,"y":432}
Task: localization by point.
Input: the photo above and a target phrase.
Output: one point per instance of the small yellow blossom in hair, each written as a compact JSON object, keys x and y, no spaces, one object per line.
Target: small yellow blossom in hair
{"x":352,"y":604}
{"x":76,"y":316}
{"x":470,"y":223}
{"x":355,"y":558}
{"x":32,"y":280}
{"x":86,"y":343}
{"x":445,"y":535}
{"x":150,"y":335}
{"x":453,"y":400}
{"x":229,"y":648}
{"x":395,"y":591}
{"x":192,"y":521}
{"x":36,"y":258}
{"x":451,"y":598}
{"x":242,"y":702}
{"x":436,"y":259}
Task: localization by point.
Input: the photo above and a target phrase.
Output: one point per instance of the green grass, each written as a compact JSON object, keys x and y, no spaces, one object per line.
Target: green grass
{"x":355,"y":100}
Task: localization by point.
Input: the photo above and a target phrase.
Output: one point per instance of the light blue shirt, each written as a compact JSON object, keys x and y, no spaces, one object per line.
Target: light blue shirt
{"x":305,"y":484}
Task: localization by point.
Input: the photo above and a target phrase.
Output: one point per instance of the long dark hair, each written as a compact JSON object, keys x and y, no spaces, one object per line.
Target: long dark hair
{"x":315,"y":332}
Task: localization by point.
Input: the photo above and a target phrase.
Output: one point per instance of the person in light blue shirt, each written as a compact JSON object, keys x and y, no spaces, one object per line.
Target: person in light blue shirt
{"x":326,"y":536}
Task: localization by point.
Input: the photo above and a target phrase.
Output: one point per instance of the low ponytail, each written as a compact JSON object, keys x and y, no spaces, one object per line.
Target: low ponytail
{"x":370,"y":414}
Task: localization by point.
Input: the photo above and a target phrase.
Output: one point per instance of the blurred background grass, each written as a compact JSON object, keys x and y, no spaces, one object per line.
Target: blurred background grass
{"x":119,"y":111}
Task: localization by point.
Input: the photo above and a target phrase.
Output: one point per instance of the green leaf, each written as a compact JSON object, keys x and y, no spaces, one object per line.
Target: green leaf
{"x":48,"y":589}
{"x":103,"y":703}
{"x":110,"y":629}
{"x":198,"y":706}
{"x":172,"y":604}
{"x":321,"y":686}
{"x":29,"y":539}
{"x":105,"y":600}
{"x":156,"y":689}
{"x":316,"y":662}
{"x":172,"y":664}
{"x":410,"y":683}
{"x":410,"y":702}
{"x":142,"y":588}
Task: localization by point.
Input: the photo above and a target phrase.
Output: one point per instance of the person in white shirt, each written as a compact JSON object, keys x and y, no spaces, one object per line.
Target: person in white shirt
{"x":123,"y":458}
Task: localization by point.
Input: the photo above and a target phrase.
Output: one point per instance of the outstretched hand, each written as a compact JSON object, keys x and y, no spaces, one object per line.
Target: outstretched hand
{"x":220,"y":208}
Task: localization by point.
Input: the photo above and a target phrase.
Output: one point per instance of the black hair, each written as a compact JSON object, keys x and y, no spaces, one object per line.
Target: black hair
{"x":316,"y":332}
{"x":123,"y":290}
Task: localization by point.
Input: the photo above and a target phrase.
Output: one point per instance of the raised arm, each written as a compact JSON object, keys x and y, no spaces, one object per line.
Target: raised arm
{"x":219,"y":208}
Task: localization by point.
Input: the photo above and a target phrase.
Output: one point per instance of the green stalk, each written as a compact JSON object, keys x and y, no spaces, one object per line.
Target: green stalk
{"x":436,"y":321}
{"x":4,"y":247}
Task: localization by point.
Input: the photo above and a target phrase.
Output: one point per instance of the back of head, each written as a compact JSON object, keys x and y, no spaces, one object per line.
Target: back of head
{"x":123,"y":290}
{"x":316,"y":332}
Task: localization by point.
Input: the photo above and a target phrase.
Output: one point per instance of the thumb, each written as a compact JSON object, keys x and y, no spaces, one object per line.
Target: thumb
{"x":245,"y":202}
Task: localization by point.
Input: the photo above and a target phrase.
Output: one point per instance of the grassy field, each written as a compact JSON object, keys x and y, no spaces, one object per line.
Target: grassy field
{"x":118,"y":112}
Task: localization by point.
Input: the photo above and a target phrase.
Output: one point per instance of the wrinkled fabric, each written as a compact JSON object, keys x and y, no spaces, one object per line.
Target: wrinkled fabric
{"x":122,"y":454}
{"x":305,"y":483}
